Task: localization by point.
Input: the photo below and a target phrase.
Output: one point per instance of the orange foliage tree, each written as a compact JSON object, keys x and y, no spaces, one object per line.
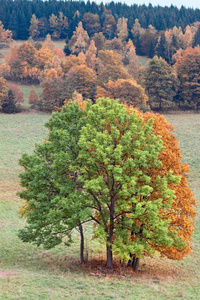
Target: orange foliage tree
{"x":33,"y":97}
{"x":188,"y":70}
{"x":128,"y":91}
{"x":25,"y":62}
{"x":181,"y":214}
{"x":178,"y":203}
{"x":110,"y":67}
{"x":5,"y":35}
{"x":79,"y":41}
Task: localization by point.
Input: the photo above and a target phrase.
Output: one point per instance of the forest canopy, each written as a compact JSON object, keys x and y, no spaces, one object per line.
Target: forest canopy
{"x":19,"y":13}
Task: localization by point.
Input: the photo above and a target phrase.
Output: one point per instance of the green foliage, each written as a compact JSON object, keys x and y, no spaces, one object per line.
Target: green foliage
{"x":94,"y":165}
{"x":54,"y":203}
{"x":55,"y":273}
{"x":161,"y":83}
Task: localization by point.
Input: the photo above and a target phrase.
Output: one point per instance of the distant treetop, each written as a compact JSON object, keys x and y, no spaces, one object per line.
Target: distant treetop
{"x":65,"y":15}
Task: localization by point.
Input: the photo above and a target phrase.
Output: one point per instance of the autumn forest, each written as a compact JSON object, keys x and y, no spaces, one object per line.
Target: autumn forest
{"x":101,"y":54}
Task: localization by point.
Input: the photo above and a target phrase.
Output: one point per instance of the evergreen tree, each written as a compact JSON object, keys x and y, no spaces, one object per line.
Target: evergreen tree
{"x":8,"y":104}
{"x":196,"y":40}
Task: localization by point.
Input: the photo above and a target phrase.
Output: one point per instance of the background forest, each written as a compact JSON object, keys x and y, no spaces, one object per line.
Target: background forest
{"x":104,"y":47}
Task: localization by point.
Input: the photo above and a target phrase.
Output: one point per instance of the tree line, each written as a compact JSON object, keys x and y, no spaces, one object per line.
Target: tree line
{"x":16,"y":15}
{"x":101,"y":68}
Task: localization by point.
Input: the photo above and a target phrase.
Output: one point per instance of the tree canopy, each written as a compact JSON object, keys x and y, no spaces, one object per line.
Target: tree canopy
{"x":116,"y":167}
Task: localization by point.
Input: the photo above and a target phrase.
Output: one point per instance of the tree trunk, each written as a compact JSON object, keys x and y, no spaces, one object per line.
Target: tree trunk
{"x":81,"y":244}
{"x":135,"y":263}
{"x":109,"y":257}
{"x":110,"y":235}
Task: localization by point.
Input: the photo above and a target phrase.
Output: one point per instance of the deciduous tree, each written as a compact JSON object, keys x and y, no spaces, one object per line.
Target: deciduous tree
{"x":128,"y":91}
{"x":111,"y":164}
{"x":54,"y":202}
{"x":110,"y":67}
{"x":34,"y":28}
{"x":91,"y":56}
{"x":161,"y":83}
{"x":59,"y":25}
{"x":188,"y":70}
{"x":91,"y":23}
{"x":18,"y":94}
{"x":79,"y":41}
{"x":3,"y":88}
{"x":5,"y":36}
{"x":33,"y":98}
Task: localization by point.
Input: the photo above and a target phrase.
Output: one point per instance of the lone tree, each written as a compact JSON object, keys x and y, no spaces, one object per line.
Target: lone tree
{"x":33,"y":98}
{"x":102,"y":163}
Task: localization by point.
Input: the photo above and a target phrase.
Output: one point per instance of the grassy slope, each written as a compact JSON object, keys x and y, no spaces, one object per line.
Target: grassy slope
{"x":54,"y":274}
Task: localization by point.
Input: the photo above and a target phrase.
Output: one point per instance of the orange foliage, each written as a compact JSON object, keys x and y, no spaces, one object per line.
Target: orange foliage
{"x":101,"y":92}
{"x":26,"y":62}
{"x":72,"y":61}
{"x":5,"y":35}
{"x":52,"y":73}
{"x":181,"y":213}
{"x":128,"y":91}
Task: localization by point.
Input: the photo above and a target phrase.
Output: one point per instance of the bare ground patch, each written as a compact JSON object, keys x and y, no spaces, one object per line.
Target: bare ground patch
{"x":4,"y":274}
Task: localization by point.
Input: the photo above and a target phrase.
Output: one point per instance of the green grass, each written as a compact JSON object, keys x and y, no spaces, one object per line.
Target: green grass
{"x":26,"y":90}
{"x":36,"y":273}
{"x":143,"y":60}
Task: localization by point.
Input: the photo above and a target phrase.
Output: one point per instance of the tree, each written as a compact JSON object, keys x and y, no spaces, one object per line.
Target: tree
{"x":18,"y":94}
{"x":136,"y":32}
{"x":81,"y":79}
{"x":59,"y":25}
{"x":109,"y":26}
{"x":33,"y":98}
{"x":5,"y":36}
{"x":52,"y":93}
{"x":102,"y":162}
{"x":3,"y":89}
{"x":161,"y":46}
{"x":114,"y":45}
{"x":8,"y":103}
{"x":79,"y":41}
{"x":132,"y":60}
{"x":91,"y":56}
{"x":73,"y":61}
{"x":54,"y":202}
{"x":128,"y":91}
{"x":99,"y":40}
{"x":181,"y":214}
{"x":188,"y":70}
{"x":196,"y":38}
{"x":34,"y":28}
{"x":91,"y":23}
{"x":117,"y":153}
{"x":187,"y":37}
{"x":110,"y":67}
{"x":160,"y":82}
{"x":122,"y":30}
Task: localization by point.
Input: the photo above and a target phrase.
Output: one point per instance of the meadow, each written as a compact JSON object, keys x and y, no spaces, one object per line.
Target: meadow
{"x":28,"y":272}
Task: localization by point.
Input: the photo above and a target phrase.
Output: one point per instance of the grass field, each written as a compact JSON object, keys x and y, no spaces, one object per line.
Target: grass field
{"x":28,"y":272}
